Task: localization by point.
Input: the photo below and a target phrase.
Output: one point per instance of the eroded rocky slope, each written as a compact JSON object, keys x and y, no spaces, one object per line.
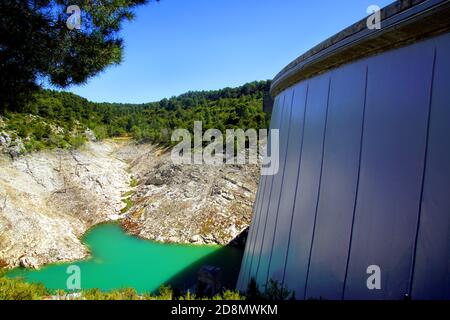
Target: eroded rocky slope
{"x":190,"y":203}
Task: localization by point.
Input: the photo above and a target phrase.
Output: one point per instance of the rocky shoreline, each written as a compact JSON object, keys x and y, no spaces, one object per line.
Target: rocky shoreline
{"x":49,"y":199}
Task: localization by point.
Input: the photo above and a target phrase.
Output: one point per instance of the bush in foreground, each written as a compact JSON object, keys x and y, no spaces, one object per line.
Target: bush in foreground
{"x":18,"y":289}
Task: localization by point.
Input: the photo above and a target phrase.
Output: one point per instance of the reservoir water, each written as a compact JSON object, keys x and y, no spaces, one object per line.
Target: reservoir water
{"x":119,"y":260}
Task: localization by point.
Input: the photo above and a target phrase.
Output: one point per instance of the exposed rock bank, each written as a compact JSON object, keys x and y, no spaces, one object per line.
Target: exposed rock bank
{"x":49,"y":199}
{"x":190,"y":203}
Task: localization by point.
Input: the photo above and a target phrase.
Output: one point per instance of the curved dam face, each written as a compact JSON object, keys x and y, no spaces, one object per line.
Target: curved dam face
{"x":360,"y":205}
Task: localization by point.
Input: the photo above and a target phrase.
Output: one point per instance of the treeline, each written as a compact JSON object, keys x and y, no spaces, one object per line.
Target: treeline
{"x":53,"y":118}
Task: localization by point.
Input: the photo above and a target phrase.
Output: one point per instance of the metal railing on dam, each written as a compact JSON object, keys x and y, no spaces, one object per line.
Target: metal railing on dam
{"x":360,"y":205}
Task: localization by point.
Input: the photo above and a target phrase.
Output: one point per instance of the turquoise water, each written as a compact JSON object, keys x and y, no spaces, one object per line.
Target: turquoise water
{"x":122,"y":261}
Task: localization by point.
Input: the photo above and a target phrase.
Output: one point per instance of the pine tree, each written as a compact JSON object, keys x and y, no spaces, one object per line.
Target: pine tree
{"x":37,"y":45}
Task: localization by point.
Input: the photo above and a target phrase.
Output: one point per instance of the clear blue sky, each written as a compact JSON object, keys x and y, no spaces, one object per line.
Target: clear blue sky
{"x":179,"y":45}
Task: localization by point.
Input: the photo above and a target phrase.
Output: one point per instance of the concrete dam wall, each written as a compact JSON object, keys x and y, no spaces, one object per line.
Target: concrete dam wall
{"x":363,"y":186}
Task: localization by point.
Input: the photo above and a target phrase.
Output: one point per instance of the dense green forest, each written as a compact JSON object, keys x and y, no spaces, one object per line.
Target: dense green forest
{"x":59,"y":119}
{"x":37,"y":44}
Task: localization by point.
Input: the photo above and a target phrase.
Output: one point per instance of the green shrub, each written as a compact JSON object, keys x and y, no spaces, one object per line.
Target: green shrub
{"x":34,"y":145}
{"x":276,"y":292}
{"x":128,"y":194}
{"x":133,"y":182}
{"x":23,"y":131}
{"x":128,"y":204}
{"x":273,"y":291}
{"x":94,"y":294}
{"x":164,"y":293}
{"x":120,"y":294}
{"x":253,"y":292}
{"x":101,"y":132}
{"x":17,"y":289}
{"x":77,"y":141}
{"x":229,"y":295}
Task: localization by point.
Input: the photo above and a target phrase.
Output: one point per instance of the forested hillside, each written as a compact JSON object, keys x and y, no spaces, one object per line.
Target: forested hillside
{"x":37,"y":44}
{"x":59,"y":119}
